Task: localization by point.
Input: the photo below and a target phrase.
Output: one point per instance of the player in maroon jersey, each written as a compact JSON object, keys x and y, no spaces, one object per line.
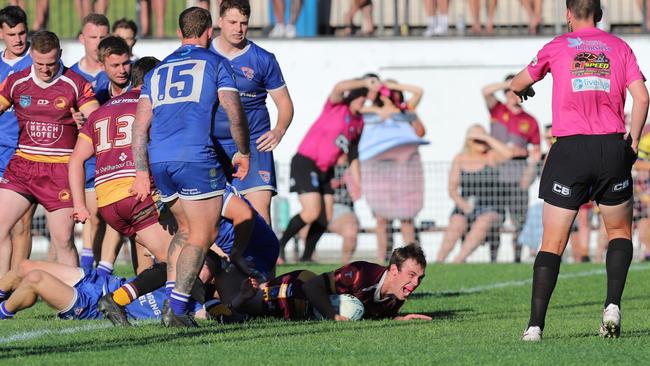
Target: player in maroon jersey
{"x":43,"y":97}
{"x":382,"y":290}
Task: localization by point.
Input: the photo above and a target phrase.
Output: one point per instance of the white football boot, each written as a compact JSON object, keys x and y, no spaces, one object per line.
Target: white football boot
{"x":611,"y":324}
{"x":532,"y":334}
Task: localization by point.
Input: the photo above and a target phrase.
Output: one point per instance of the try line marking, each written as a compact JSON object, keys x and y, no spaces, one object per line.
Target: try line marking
{"x":26,"y":336}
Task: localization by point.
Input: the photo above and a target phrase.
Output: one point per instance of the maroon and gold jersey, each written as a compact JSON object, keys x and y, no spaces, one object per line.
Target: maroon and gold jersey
{"x":109,"y":130}
{"x":518,"y":129}
{"x":363,"y":280}
{"x":284,"y":298}
{"x":48,"y":132}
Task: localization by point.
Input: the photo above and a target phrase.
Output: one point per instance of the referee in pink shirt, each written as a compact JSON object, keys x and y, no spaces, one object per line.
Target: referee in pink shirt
{"x":593,"y":156}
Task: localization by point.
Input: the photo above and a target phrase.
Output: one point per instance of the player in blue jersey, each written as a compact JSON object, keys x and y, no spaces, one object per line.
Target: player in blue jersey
{"x":175,"y":113}
{"x":14,"y":58}
{"x":258,"y":74}
{"x":73,"y":292}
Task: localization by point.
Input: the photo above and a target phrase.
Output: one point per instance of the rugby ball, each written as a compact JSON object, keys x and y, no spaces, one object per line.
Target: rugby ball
{"x":345,"y":305}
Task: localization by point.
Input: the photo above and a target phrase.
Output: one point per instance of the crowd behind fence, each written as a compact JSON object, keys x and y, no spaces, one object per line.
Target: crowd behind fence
{"x":390,"y":17}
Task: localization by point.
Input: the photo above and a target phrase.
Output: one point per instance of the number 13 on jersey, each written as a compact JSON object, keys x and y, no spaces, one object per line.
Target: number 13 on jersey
{"x":178,"y":82}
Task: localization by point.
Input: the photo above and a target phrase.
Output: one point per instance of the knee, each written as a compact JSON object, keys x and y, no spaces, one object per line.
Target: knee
{"x":350,"y":231}
{"x":309,"y":215}
{"x":33,"y":277}
{"x":24,"y":268}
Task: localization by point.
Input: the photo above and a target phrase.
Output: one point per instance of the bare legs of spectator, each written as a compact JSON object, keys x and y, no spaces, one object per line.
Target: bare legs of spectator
{"x":281,"y":28}
{"x":643,"y":231}
{"x":602,"y":242}
{"x":476,"y":235}
{"x":580,"y":239}
{"x":381,"y":229}
{"x":475,"y":10}
{"x":21,"y":238}
{"x":366,"y":7}
{"x":455,"y":229}
{"x":437,"y":24}
{"x":533,"y":9}
{"x":85,"y":7}
{"x":40,"y":13}
{"x":347,"y":226}
{"x":158,"y":9}
{"x":645,"y":27}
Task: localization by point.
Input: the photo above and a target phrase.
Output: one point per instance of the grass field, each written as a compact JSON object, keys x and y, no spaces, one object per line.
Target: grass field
{"x":479,"y":314}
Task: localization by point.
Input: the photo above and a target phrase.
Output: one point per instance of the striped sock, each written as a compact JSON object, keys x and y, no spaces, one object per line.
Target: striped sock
{"x":169,"y":286}
{"x":4,"y":313}
{"x":87,"y":259}
{"x":178,"y":302}
{"x":3,"y":295}
{"x":125,"y":295}
{"x":105,"y":268}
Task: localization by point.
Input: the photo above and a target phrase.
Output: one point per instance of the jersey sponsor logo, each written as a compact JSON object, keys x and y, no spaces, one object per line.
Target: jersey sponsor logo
{"x":314,"y":179}
{"x":590,"y":83}
{"x":64,"y":195}
{"x":150,"y":300}
{"x":43,"y":102}
{"x":534,"y":61}
{"x":618,"y":187}
{"x":4,"y":180}
{"x":43,"y":133}
{"x":78,"y":311}
{"x":561,"y":189}
{"x":248,"y":94}
{"x":25,"y":101}
{"x":348,"y":277}
{"x":342,"y":143}
{"x":589,"y":45}
{"x":265,"y":175}
{"x":248,"y":72}
{"x":524,"y":126}
{"x":123,"y":157}
{"x":61,"y":103}
{"x":587,"y":63}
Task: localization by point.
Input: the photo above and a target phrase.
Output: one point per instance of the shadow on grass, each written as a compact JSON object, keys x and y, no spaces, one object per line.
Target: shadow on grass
{"x":130,"y":338}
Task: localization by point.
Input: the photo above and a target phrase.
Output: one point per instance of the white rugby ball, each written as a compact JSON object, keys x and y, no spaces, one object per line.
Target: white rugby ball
{"x":346,"y":305}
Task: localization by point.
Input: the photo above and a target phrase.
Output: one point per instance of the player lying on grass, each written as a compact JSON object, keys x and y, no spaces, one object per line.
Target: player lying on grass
{"x":295,"y":295}
{"x":244,"y":237}
{"x":73,"y":292}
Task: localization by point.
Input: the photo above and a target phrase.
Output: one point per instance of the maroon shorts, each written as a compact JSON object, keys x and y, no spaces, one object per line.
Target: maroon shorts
{"x":130,"y":215}
{"x":44,"y":183}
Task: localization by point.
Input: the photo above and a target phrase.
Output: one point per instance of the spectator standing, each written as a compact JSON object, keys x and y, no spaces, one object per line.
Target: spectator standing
{"x":644,"y":5}
{"x":41,"y":13}
{"x":158,"y":9}
{"x":475,"y":10}
{"x":368,"y":27}
{"x":437,"y":24}
{"x":281,"y":28}
{"x":85,"y":7}
{"x":342,"y":219}
{"x":533,"y":9}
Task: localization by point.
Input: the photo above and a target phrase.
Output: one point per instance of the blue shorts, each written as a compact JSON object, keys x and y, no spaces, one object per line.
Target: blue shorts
{"x":88,"y":291}
{"x":6,"y":153}
{"x":261,"y":173}
{"x":89,"y":166}
{"x":188,"y":180}
{"x":263,"y":249}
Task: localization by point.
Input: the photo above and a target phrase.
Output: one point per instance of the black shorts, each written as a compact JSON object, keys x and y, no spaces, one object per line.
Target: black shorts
{"x":588,"y":167}
{"x":307,"y":178}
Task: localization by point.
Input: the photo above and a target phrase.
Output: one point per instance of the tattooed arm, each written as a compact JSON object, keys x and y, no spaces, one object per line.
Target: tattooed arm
{"x":238,"y":129}
{"x":143,"y":115}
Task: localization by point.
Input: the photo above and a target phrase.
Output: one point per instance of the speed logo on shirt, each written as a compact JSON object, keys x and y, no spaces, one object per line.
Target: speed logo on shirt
{"x":590,"y":64}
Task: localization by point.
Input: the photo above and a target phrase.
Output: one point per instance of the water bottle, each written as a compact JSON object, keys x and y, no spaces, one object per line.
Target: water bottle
{"x":460,"y":25}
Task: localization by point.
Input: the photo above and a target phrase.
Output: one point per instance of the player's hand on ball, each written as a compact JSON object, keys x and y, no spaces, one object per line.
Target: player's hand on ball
{"x":141,"y":187}
{"x":341,"y":318}
{"x":269,"y":140}
{"x":241,"y":163}
{"x":80,"y":214}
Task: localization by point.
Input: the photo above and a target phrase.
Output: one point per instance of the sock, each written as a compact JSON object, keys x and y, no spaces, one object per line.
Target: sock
{"x":3,"y":295}
{"x":169,"y":286}
{"x":316,"y":230}
{"x":545,"y":272}
{"x":432,"y":21}
{"x":125,"y":295}
{"x":151,"y":279}
{"x":87,"y":259}
{"x":443,"y":21}
{"x":292,"y":229}
{"x":4,"y":313}
{"x":617,"y":262}
{"x":105,"y":268}
{"x":178,"y":302}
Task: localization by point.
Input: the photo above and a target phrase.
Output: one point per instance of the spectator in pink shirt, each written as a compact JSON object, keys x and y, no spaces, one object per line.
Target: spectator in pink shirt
{"x":593,"y":156}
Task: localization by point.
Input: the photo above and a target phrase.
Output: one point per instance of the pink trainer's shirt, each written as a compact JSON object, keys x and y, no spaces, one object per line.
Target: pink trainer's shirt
{"x":335,"y":130}
{"x":591,"y":70}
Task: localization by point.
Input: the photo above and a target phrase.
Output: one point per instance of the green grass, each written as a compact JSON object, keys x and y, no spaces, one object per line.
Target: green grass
{"x":469,"y":327}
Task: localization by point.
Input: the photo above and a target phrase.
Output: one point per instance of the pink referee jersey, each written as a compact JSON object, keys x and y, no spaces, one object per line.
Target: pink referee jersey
{"x":331,"y":135}
{"x":591,"y":70}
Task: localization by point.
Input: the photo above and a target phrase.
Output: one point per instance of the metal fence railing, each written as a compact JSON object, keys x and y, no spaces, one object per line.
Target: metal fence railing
{"x":391,"y":17}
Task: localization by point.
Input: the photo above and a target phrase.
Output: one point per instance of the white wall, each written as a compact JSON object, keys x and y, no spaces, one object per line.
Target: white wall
{"x":451,"y":71}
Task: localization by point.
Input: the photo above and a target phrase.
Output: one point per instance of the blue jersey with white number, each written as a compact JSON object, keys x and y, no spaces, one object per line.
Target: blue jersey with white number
{"x":8,"y":122}
{"x":183,"y":90}
{"x":257,"y":72}
{"x":98,"y":81}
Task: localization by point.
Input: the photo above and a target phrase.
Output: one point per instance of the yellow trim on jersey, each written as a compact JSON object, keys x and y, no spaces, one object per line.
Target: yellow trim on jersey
{"x":44,"y":158}
{"x":5,"y":103}
{"x":85,"y":137}
{"x":88,"y":102}
{"x":113,"y":190}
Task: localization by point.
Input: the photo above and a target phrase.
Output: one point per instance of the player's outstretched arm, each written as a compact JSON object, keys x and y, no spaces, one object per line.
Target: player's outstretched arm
{"x":238,"y":129}
{"x":140,"y":132}
{"x":271,"y":139}
{"x":522,"y":84}
{"x":316,"y":292}
{"x":76,"y":176}
{"x":413,"y":317}
{"x":639,"y":114}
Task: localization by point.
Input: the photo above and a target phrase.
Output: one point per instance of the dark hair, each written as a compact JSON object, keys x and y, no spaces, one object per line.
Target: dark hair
{"x":242,"y":5}
{"x":45,"y":41}
{"x":585,"y":9}
{"x":125,"y":23}
{"x":12,"y":16}
{"x":194,"y":21}
{"x":112,"y":45}
{"x":140,"y":68}
{"x":354,"y":94}
{"x":96,"y":19}
{"x":509,"y":77}
{"x":411,"y":251}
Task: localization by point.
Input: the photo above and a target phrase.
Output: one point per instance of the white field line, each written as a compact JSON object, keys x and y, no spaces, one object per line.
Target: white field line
{"x":529,"y":281}
{"x":26,"y":336}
